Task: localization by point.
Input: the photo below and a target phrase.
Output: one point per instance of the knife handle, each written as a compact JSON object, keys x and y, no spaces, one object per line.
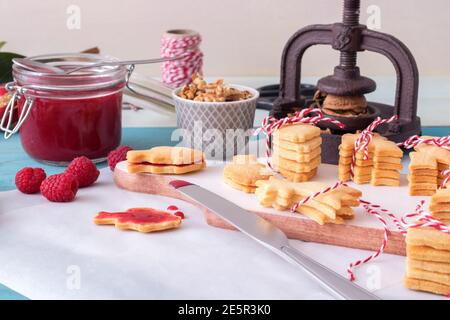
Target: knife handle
{"x":337,"y":285}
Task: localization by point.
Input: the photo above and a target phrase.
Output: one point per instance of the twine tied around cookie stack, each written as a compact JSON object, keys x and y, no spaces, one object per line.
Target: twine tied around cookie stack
{"x":176,"y":43}
{"x":362,"y":143}
{"x":443,"y":173}
{"x":271,"y":124}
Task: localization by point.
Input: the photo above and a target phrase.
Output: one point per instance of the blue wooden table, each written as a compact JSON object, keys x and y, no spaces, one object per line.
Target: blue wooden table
{"x":13,"y":158}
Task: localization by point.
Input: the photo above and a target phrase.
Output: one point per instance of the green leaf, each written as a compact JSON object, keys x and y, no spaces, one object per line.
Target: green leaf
{"x":2,"y":43}
{"x":6,"y":65}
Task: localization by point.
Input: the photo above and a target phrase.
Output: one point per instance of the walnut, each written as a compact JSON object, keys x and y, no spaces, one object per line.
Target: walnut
{"x":217,"y":91}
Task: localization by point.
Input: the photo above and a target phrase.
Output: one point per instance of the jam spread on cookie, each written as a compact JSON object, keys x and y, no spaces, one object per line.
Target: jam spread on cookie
{"x":165,"y":160}
{"x":139,"y":216}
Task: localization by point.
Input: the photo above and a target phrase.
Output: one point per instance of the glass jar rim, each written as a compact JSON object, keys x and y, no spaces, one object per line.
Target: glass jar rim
{"x":83,"y":80}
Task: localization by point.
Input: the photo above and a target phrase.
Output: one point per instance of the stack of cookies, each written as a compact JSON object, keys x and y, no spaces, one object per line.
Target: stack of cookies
{"x":296,"y":151}
{"x":331,"y":207}
{"x":423,"y":174}
{"x":428,"y":260}
{"x":243,"y":173}
{"x":344,"y":106}
{"x":440,"y":205}
{"x":382,"y":168}
{"x":431,"y":160}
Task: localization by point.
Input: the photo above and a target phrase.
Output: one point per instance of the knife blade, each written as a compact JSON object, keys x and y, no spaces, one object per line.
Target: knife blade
{"x":273,"y":238}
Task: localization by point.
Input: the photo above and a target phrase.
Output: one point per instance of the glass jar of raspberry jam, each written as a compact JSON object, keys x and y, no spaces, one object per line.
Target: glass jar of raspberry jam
{"x":69,"y":115}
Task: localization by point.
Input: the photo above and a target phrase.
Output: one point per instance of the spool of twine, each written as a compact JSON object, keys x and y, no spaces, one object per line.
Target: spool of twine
{"x":181,"y":42}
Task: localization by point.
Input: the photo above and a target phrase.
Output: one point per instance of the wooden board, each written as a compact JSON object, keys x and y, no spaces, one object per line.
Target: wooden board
{"x":363,"y":232}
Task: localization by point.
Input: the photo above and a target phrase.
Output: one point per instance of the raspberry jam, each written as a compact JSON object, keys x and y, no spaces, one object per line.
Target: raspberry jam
{"x":138,"y":216}
{"x":60,"y":130}
{"x":71,"y":115}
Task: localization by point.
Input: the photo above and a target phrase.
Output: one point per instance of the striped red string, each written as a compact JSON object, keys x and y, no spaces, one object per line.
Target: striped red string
{"x":352,"y":265}
{"x":446,"y":174}
{"x":413,"y":141}
{"x":422,"y":219}
{"x":270,"y":125}
{"x":315,"y":195}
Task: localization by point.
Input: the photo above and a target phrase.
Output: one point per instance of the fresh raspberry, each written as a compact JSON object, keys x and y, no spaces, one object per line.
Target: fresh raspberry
{"x":179,"y":214}
{"x":28,"y":180}
{"x":84,"y":170}
{"x":60,"y":187}
{"x":115,"y":156}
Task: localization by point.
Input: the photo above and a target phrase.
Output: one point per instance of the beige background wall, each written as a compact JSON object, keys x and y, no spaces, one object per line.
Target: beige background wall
{"x":241,"y":37}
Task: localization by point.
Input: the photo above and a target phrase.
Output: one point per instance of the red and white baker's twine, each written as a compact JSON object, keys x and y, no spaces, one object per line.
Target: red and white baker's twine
{"x":270,"y":125}
{"x":315,"y":195}
{"x":446,"y":174}
{"x":176,"y":73}
{"x":413,"y":141}
{"x":370,"y":208}
{"x":363,"y":141}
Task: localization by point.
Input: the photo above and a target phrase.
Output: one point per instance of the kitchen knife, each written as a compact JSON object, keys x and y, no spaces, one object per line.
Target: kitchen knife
{"x":273,"y":238}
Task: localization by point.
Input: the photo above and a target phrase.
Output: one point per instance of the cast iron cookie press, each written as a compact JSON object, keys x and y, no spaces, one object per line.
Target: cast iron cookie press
{"x":350,"y":37}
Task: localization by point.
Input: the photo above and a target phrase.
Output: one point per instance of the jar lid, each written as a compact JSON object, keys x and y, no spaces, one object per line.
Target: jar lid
{"x":82,"y":80}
